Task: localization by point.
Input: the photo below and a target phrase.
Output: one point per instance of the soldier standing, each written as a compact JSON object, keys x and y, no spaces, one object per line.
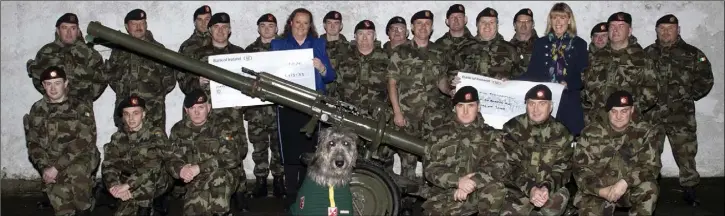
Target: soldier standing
{"x":685,"y":75}
{"x":599,"y":36}
{"x":207,"y":155}
{"x":616,"y":162}
{"x":263,"y":123}
{"x":458,"y":34}
{"x":60,"y":131}
{"x":332,"y":22}
{"x":134,"y":74}
{"x":525,"y":35}
{"x":466,"y":164}
{"x":540,"y":151}
{"x":82,"y":63}
{"x":133,"y":163}
{"x":397,"y":32}
{"x":200,"y":37}
{"x":622,"y":64}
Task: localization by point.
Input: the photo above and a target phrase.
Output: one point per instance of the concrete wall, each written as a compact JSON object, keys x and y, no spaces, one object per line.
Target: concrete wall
{"x":29,"y":25}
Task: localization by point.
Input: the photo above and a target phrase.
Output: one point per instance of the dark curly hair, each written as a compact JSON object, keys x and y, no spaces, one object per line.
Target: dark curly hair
{"x":288,"y":28}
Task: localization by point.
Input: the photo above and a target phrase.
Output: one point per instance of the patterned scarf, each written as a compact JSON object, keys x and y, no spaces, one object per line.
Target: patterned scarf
{"x":559,"y":46}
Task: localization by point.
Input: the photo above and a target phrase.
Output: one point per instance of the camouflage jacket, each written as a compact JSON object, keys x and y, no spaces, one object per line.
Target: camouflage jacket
{"x":82,"y":64}
{"x":525,"y":48}
{"x":137,"y":74}
{"x":188,"y":81}
{"x":59,"y":134}
{"x":131,"y":153}
{"x":258,"y":46}
{"x":496,"y":58}
{"x":389,"y":50}
{"x":214,"y":145}
{"x":333,"y":49}
{"x":592,"y":49}
{"x":361,"y":78}
{"x":684,"y":72}
{"x":456,"y":150}
{"x":604,"y":156}
{"x":539,"y":154}
{"x":626,"y":69}
{"x":452,"y":44}
{"x":196,"y":40}
{"x":417,"y":71}
{"x":353,"y":43}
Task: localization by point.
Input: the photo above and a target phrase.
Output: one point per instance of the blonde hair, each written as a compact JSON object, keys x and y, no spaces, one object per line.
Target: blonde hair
{"x":564,"y":8}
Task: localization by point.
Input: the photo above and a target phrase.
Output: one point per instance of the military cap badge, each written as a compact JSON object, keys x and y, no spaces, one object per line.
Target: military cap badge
{"x":337,"y":16}
{"x":224,"y":18}
{"x":528,"y":11}
{"x":603,"y":27}
{"x":623,"y":100}
{"x":672,"y":19}
{"x":53,"y":74}
{"x":367,"y":23}
{"x":492,"y":12}
{"x":201,"y":99}
{"x":427,"y":13}
{"x":400,"y":19}
{"x":270,"y":17}
{"x":134,"y":101}
{"x":460,"y":7}
{"x":540,"y":94}
{"x":141,"y":14}
{"x":702,"y":59}
{"x":468,"y":96}
{"x":206,"y":9}
{"x":72,"y":18}
{"x":620,"y":16}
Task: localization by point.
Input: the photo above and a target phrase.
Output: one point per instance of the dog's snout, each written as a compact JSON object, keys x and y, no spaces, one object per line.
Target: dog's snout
{"x":339,"y":163}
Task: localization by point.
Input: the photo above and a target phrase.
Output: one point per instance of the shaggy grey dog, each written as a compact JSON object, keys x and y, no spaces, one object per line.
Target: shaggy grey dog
{"x":334,"y":158}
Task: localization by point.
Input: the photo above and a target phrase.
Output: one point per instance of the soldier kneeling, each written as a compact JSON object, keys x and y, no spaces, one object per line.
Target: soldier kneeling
{"x":133,"y":165}
{"x":206,"y":156}
{"x":617,"y":162}
{"x":466,"y":164}
{"x":539,"y":150}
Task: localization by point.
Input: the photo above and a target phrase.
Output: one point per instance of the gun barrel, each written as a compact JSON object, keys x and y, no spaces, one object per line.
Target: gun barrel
{"x":289,"y":97}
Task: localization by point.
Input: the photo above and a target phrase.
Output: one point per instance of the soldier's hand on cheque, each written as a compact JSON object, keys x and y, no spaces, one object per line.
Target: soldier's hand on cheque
{"x":203,"y":80}
{"x":399,"y":120}
{"x":49,"y":175}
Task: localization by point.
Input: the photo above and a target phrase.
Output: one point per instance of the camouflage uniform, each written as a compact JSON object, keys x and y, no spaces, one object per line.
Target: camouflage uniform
{"x":604,"y":156}
{"x":525,"y":48}
{"x":82,"y":64}
{"x":136,"y":159}
{"x":389,"y":50}
{"x":496,"y":58}
{"x":456,"y":151}
{"x":451,"y":44}
{"x":610,"y":70}
{"x":333,"y":52}
{"x":195,"y":41}
{"x":685,"y":76}
{"x":63,"y":135}
{"x":263,"y":130}
{"x":218,"y":147}
{"x":417,"y":71}
{"x":540,"y":155}
{"x":140,"y":75}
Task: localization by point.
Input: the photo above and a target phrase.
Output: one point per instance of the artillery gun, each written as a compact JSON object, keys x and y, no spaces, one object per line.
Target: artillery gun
{"x":375,"y":191}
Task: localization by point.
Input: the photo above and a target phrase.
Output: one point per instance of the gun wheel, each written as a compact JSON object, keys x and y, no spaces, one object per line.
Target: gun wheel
{"x":373,"y":191}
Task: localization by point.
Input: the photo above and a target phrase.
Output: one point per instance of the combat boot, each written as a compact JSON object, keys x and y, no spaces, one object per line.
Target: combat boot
{"x":240,"y":199}
{"x":690,"y":197}
{"x":278,"y":186}
{"x":144,"y":211}
{"x":260,"y":188}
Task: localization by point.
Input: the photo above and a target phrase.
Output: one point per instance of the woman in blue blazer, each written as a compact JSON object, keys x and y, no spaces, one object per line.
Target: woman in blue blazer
{"x":300,"y":33}
{"x":560,"y":56}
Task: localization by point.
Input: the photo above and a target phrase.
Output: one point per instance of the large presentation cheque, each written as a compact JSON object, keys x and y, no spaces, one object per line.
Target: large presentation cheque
{"x":291,"y":65}
{"x":503,"y":100}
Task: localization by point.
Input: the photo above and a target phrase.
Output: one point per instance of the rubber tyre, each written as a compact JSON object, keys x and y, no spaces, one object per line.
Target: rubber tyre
{"x":374,"y":192}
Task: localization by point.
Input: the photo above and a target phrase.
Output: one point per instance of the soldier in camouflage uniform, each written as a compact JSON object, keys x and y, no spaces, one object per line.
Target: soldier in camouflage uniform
{"x":82,"y":63}
{"x":458,"y":34}
{"x":489,"y":54}
{"x":60,"y":132}
{"x":332,"y":23}
{"x":525,"y":35}
{"x":465,"y":163}
{"x":685,"y":75}
{"x":622,"y":64}
{"x":133,"y":164}
{"x":207,"y":155}
{"x":263,"y":123}
{"x":199,"y":38}
{"x":540,"y":151}
{"x":617,"y":161}
{"x":600,"y":37}
{"x":135,"y":74}
{"x":415,"y":73}
{"x":397,"y":32}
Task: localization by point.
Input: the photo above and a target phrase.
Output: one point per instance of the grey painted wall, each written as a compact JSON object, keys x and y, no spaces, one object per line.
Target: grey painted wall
{"x":26,"y":26}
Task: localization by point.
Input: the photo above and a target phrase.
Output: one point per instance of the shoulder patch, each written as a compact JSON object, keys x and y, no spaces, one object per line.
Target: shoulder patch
{"x":302,"y":202}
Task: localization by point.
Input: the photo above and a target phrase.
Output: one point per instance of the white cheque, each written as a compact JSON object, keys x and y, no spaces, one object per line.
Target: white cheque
{"x":503,"y":100}
{"x":291,"y":65}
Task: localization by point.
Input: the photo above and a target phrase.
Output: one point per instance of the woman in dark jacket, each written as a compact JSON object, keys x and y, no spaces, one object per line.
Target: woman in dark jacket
{"x":560,"y":56}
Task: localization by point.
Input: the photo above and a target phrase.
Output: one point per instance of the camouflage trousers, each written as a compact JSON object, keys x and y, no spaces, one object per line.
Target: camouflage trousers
{"x":486,"y":200}
{"x":681,"y":130}
{"x":263,"y":136}
{"x":147,"y":185}
{"x":210,"y":193}
{"x":73,"y":187}
{"x":155,"y":111}
{"x":517,"y":203}
{"x":417,"y":127}
{"x":641,"y":198}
